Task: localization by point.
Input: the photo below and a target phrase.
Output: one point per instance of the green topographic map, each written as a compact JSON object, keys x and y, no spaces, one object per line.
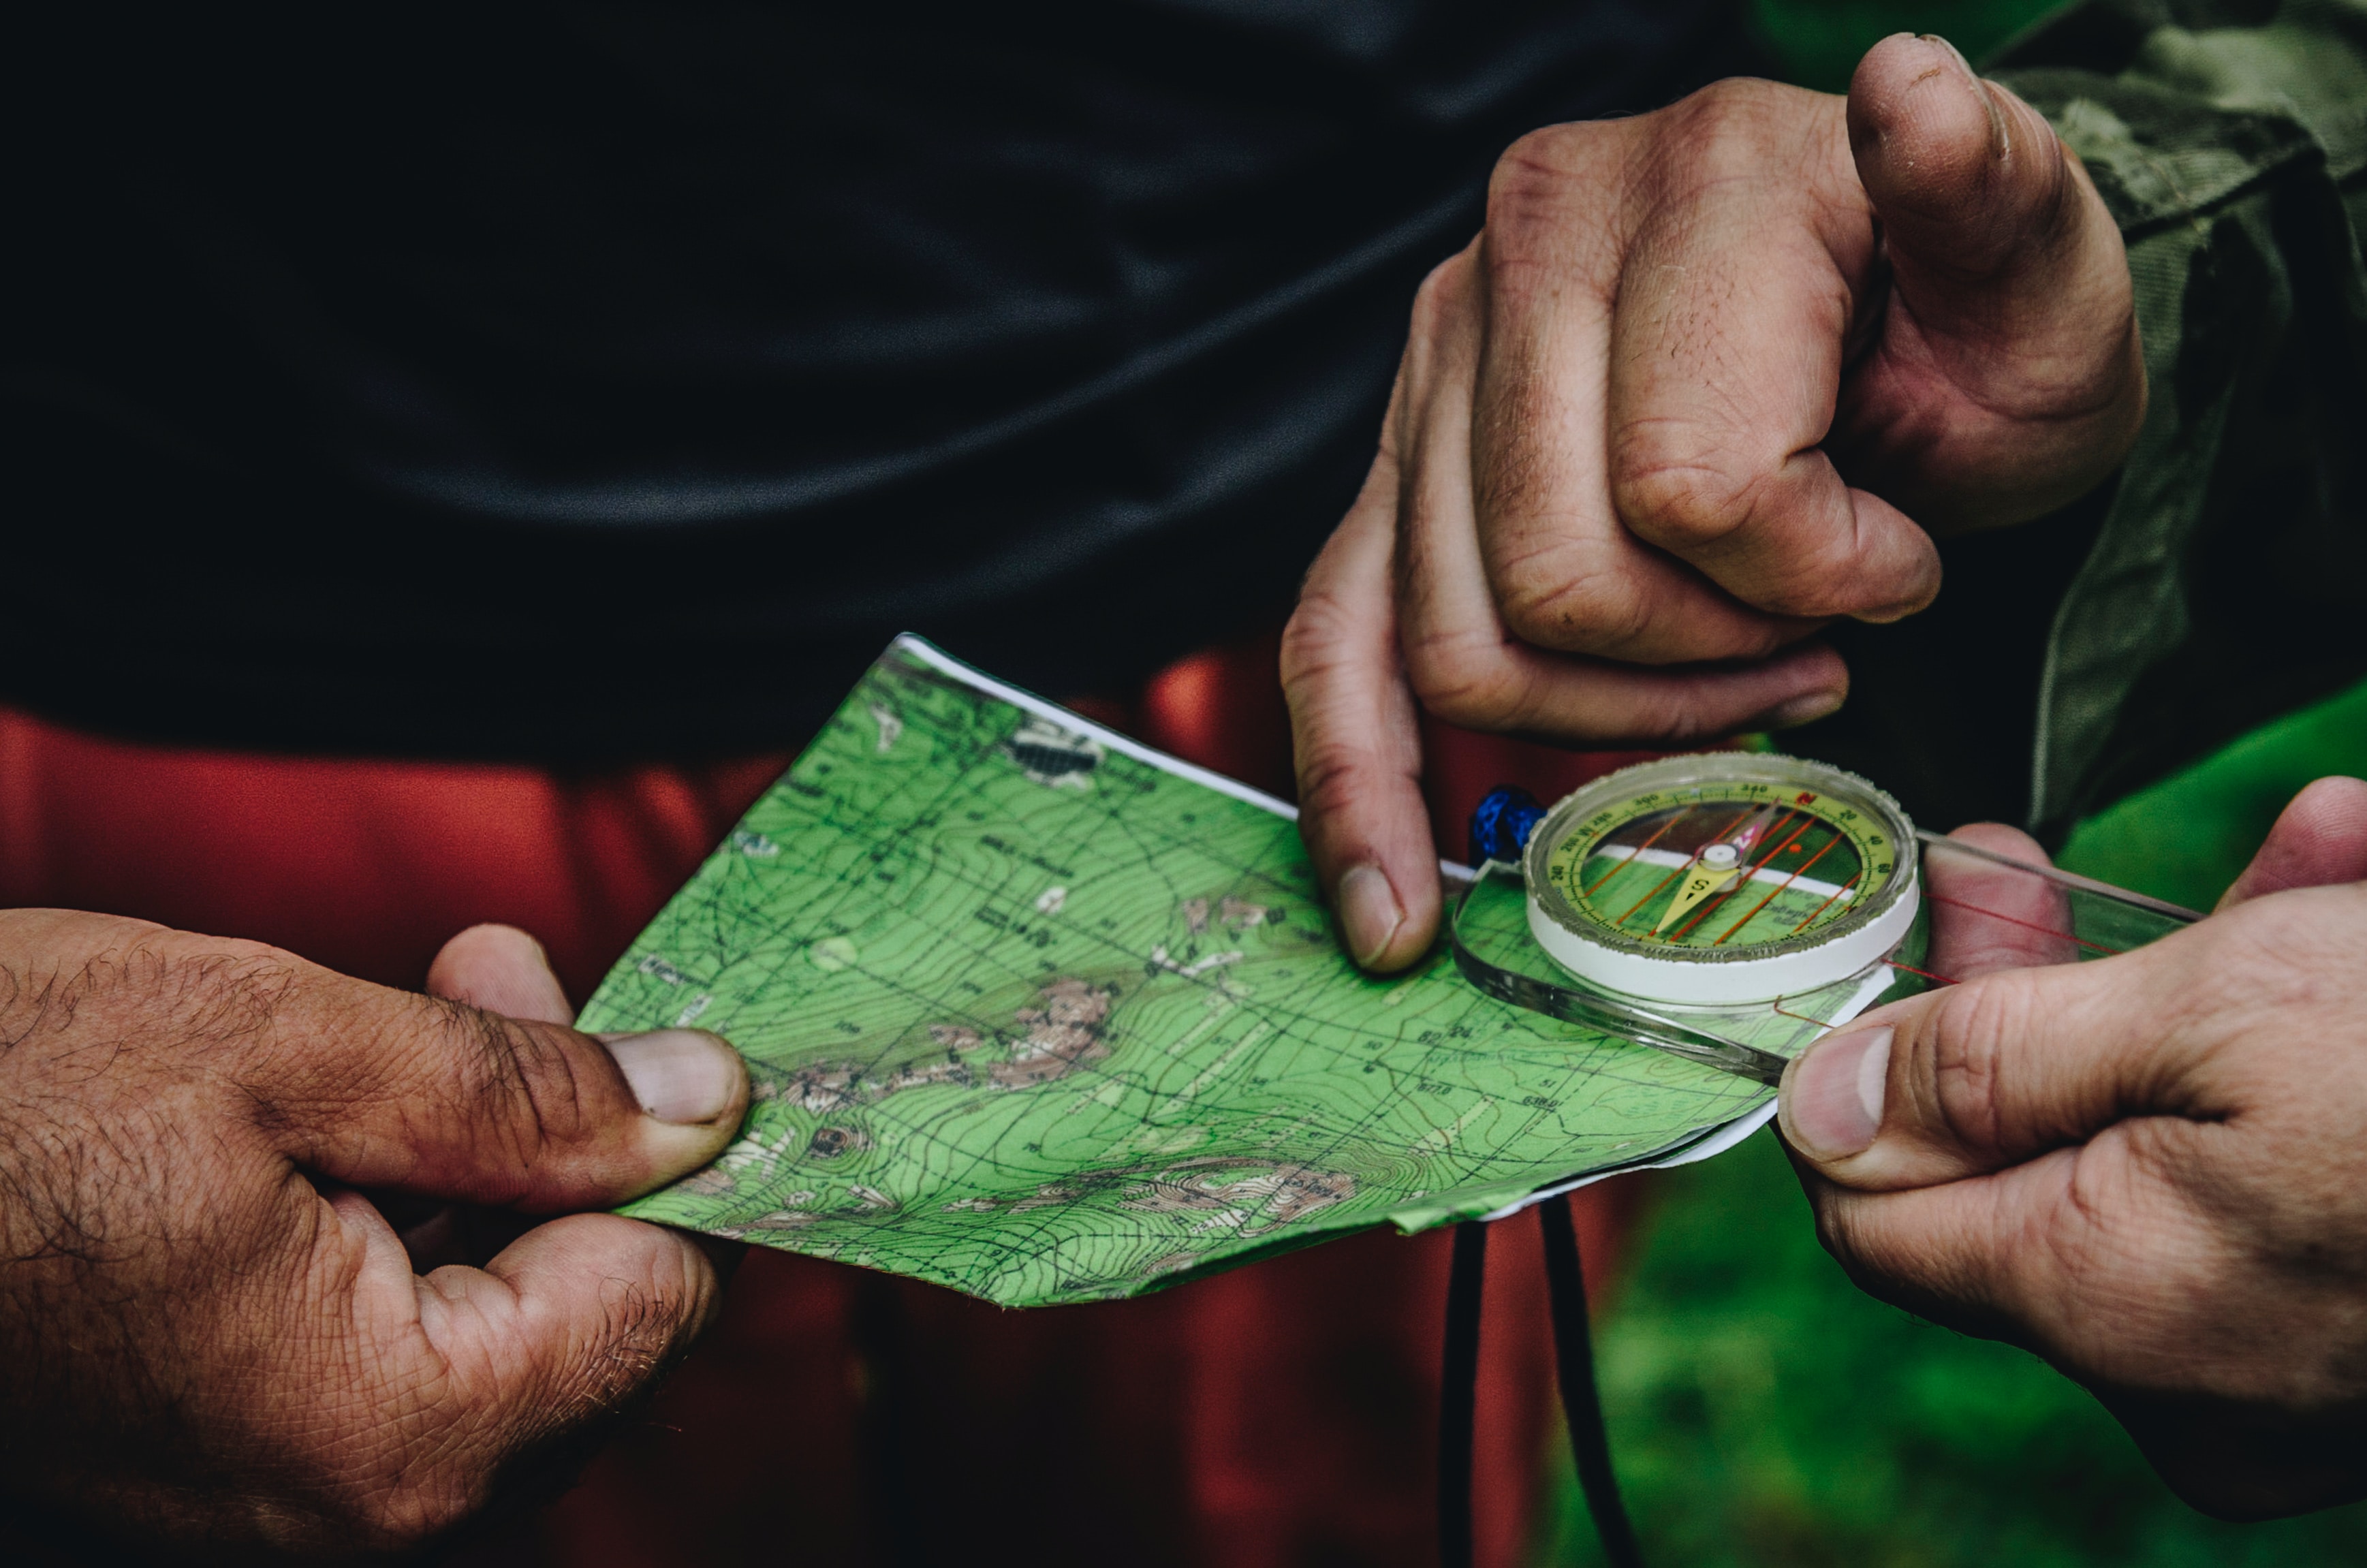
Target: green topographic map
{"x":1038,"y":1015}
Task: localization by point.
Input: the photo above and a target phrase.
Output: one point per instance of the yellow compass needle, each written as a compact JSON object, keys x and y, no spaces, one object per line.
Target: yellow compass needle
{"x":1703,"y":882}
{"x":1717,"y":867}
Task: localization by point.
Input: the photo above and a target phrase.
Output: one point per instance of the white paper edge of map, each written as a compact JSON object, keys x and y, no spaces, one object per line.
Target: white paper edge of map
{"x":936,"y":658}
{"x":944,"y":663}
{"x":1718,"y":1142}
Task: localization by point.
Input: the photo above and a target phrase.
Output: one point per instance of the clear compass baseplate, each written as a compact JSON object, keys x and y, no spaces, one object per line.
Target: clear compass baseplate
{"x":1726,"y":905}
{"x":1730,"y":907}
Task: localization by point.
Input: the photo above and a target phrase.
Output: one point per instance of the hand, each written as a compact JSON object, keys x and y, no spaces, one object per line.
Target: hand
{"x":208,"y":1336}
{"x":2146,"y":1169}
{"x":1687,"y":397}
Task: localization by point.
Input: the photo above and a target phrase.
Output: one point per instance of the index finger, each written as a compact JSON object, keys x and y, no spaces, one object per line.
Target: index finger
{"x":2018,"y":1253}
{"x":1986,"y":916}
{"x":2000,"y":1070}
{"x":1355,"y":737}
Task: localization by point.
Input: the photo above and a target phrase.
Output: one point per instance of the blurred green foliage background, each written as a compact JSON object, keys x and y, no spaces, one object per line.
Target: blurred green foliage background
{"x":1762,"y":1411}
{"x":1818,"y":41}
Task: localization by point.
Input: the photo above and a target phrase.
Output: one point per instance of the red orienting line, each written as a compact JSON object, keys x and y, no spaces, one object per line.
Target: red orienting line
{"x":1827,"y":904}
{"x":1943,"y":979}
{"x":1797,"y":872}
{"x":1755,"y":867}
{"x":1589,"y":891}
{"x":2027,"y":925}
{"x":1681,"y":870}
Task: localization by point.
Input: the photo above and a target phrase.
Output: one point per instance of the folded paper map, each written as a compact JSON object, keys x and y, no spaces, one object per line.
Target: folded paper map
{"x":1038,"y":1014}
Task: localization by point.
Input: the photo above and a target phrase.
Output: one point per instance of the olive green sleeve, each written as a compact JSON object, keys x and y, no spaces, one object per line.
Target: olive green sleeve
{"x":2227,"y":577}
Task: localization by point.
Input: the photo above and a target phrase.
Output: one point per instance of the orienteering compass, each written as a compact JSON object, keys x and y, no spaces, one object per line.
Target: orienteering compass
{"x":1726,"y":907}
{"x":1722,"y":879}
{"x":1730,"y":908}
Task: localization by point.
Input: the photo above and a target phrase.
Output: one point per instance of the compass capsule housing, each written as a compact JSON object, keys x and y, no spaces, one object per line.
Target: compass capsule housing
{"x":1722,"y":878}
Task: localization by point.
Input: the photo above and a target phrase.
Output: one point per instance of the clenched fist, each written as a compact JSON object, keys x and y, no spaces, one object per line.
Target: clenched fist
{"x":209,"y":1336}
{"x":1708,"y":379}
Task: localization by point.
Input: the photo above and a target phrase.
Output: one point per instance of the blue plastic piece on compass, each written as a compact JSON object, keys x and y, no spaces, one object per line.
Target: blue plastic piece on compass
{"x":1501,"y":825}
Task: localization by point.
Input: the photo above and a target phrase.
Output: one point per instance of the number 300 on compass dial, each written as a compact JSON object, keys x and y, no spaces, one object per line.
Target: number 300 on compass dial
{"x":1722,"y":878}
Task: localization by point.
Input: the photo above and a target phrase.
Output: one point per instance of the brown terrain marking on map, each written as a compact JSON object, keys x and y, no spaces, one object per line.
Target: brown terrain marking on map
{"x":1280,"y":1193}
{"x":1238,"y":913}
{"x":830,"y":1142}
{"x":1062,"y":1035}
{"x":1063,"y":1032}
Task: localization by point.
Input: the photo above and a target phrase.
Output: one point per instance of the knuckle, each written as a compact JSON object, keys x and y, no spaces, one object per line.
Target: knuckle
{"x":1318,"y":639}
{"x":239,"y":993}
{"x":1329,"y":781}
{"x":532,"y":1070}
{"x":1960,"y":1048}
{"x":1529,"y":188}
{"x":643,"y":1330}
{"x":1670,"y":714}
{"x":1865,"y":1251}
{"x":1464,"y":677}
{"x":1548,"y":615}
{"x":1546,"y":201}
{"x":1565,"y":596}
{"x":220,"y":988}
{"x":1727,"y":129}
{"x":1667,"y":490}
{"x":2278,"y":958}
{"x":1445,"y":292}
{"x":516,"y":1085}
{"x":1838,"y":1234}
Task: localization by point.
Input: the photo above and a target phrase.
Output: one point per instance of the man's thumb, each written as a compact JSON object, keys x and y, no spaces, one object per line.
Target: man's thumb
{"x":388,"y":1090}
{"x":2319,"y":838}
{"x":2008,"y":345}
{"x":1973,"y":1078}
{"x":1971,"y":183}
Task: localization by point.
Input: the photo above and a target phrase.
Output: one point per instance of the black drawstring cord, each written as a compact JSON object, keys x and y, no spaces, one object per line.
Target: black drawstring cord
{"x":1582,"y":1401}
{"x":1459,"y":1391}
